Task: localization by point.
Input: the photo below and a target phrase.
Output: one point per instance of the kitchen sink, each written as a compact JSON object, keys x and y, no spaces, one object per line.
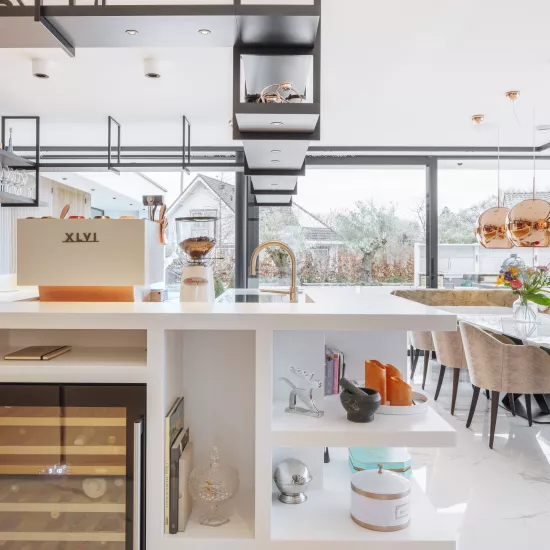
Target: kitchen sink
{"x":254,"y":296}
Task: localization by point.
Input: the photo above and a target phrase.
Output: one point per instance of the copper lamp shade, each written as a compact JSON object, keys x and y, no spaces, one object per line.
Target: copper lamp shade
{"x":528,"y":223}
{"x":491,"y":228}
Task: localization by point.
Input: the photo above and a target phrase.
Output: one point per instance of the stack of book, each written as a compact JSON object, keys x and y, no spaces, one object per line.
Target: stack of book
{"x":335,"y":368}
{"x":178,"y":465}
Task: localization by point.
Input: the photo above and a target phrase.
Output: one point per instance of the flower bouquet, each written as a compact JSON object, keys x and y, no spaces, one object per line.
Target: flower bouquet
{"x":530,"y":284}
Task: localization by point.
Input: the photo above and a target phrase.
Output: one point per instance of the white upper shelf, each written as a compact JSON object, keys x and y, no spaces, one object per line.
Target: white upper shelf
{"x":426,"y":429}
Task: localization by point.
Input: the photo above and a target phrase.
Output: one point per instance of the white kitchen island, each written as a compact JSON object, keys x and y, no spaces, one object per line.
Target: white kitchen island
{"x":221,"y":358}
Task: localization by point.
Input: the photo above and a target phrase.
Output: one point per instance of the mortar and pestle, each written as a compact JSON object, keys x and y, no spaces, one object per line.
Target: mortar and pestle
{"x":360,"y":403}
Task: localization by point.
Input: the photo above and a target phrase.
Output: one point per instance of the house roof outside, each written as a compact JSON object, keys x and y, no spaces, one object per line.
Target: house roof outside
{"x":510,"y":199}
{"x":313,"y":228}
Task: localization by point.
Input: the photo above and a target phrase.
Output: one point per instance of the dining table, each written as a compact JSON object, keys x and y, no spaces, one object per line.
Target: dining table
{"x":500,"y":320}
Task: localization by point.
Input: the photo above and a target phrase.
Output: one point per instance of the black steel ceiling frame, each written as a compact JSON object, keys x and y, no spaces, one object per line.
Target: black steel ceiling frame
{"x":110,"y":166}
{"x":37,"y":163}
{"x":39,"y":17}
{"x":286,"y":192}
{"x":268,"y":204}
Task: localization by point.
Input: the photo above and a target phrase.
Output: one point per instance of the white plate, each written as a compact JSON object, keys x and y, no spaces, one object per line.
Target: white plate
{"x":421,"y":406}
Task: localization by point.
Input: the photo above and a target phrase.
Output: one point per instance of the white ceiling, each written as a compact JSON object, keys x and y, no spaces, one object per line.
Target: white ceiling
{"x":394,"y":73}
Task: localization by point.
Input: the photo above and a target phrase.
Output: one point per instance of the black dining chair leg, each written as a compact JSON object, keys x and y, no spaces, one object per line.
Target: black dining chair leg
{"x":494,"y":411}
{"x":512,"y":402}
{"x":487,"y":394}
{"x":456,"y":375}
{"x":414,"y":362}
{"x":472,"y":406}
{"x":528,"y":407}
{"x":439,"y":382}
{"x":426,"y":363}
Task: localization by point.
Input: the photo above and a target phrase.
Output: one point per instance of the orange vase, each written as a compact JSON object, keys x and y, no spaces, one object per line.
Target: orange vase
{"x":375,"y":378}
{"x":392,"y":371}
{"x":399,"y":392}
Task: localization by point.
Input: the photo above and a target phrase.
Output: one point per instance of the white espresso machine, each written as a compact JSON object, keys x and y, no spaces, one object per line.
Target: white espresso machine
{"x":197,"y":239}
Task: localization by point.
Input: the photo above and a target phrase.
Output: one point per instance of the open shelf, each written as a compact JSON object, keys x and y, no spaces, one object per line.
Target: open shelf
{"x":426,"y":429}
{"x":296,"y":118}
{"x":11,"y":159}
{"x":325,"y":518}
{"x":259,"y":155}
{"x":14,"y":199}
{"x":80,"y":365}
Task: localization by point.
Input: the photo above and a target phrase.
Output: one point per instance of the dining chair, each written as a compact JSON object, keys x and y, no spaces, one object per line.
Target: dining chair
{"x":503,"y":367}
{"x":420,"y":341}
{"x":450,"y":352}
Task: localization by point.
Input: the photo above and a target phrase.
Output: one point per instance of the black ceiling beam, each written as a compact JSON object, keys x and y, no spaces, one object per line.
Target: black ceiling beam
{"x":39,"y":17}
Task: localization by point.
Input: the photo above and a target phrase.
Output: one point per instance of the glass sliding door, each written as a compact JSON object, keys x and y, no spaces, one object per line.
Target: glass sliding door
{"x":70,"y":467}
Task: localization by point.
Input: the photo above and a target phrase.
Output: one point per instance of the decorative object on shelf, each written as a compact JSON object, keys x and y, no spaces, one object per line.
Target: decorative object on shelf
{"x":419,"y":405}
{"x":359,"y":403}
{"x":292,"y":478}
{"x":394,"y":459}
{"x":399,"y":393}
{"x":491,"y":225}
{"x":528,"y":223}
{"x":163,"y":223}
{"x":305,"y":394}
{"x":77,"y":218}
{"x":212,"y":486}
{"x":197,"y":239}
{"x":152,"y":202}
{"x":274,"y":93}
{"x":375,"y":377}
{"x":380,"y":500}
{"x":529,"y":284}
{"x":10,"y":143}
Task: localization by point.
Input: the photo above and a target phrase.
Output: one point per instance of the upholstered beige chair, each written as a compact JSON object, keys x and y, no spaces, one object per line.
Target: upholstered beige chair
{"x":450,"y":352}
{"x":421,"y":341}
{"x":502,"y":367}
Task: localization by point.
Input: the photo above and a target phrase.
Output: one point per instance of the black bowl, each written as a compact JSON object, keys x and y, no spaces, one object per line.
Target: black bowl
{"x":360,"y":408}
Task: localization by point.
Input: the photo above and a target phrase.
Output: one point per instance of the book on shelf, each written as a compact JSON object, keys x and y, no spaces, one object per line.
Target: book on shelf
{"x":335,"y":368}
{"x":185,"y":504}
{"x":173,"y":424}
{"x":176,"y":450}
{"x":329,"y":370}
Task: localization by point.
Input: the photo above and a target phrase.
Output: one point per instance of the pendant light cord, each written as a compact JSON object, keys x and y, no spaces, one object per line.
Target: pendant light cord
{"x":498,"y":166}
{"x":534,"y":155}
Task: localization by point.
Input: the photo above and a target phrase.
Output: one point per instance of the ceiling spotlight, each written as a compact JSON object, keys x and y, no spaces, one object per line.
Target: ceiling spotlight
{"x":204,"y":32}
{"x":459,"y":163}
{"x":512,"y":95}
{"x":478,"y":119}
{"x":114,"y":198}
{"x":64,"y":179}
{"x":152,"y":68}
{"x":275,"y":161}
{"x":274,"y":185}
{"x":40,"y":68}
{"x":92,"y":189}
{"x":132,"y":32}
{"x":131,"y":204}
{"x":276,"y":124}
{"x":275,"y":151}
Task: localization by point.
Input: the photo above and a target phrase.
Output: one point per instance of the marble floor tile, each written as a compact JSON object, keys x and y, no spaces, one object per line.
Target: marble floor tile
{"x":497,"y":499}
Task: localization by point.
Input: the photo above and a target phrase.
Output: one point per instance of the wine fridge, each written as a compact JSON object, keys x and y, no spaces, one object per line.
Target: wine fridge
{"x":72,"y":472}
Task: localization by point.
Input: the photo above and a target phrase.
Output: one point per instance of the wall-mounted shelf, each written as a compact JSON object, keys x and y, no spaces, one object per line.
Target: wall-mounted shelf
{"x":296,"y":118}
{"x":11,"y":199}
{"x":273,"y":200}
{"x":13,"y":160}
{"x":289,"y":153}
{"x":274,"y":185}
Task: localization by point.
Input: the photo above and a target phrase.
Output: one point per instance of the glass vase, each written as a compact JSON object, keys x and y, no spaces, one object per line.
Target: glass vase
{"x":212,"y":486}
{"x":524,"y":311}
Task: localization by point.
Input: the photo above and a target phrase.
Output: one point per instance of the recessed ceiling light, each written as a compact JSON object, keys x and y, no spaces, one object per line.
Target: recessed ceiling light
{"x":132,"y":32}
{"x":131,"y":205}
{"x":92,"y":189}
{"x":275,"y":151}
{"x":275,"y":161}
{"x":204,"y":31}
{"x":274,"y":184}
{"x":64,"y":179}
{"x":114,"y":198}
{"x":276,"y":124}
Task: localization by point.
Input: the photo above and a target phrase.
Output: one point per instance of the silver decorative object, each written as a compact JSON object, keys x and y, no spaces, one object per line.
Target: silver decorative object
{"x":305,"y":395}
{"x":214,"y":485}
{"x":292,"y":478}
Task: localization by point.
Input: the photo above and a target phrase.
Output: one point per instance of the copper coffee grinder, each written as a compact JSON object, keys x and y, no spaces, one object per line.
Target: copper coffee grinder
{"x":197,"y":239}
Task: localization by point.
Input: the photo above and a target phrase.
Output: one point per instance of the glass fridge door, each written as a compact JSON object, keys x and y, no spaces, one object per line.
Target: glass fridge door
{"x":70,"y":467}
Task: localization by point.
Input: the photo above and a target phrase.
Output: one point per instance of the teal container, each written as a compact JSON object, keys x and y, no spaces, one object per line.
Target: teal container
{"x":394,"y":459}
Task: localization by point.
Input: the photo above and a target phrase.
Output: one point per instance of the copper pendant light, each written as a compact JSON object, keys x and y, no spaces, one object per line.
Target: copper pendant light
{"x":528,"y":223}
{"x":491,"y":224}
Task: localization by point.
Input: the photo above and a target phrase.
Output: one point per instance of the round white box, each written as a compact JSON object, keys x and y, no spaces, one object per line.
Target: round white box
{"x":380,"y":500}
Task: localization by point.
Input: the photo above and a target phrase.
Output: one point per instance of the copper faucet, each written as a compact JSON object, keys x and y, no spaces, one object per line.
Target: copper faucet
{"x":292,"y":291}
